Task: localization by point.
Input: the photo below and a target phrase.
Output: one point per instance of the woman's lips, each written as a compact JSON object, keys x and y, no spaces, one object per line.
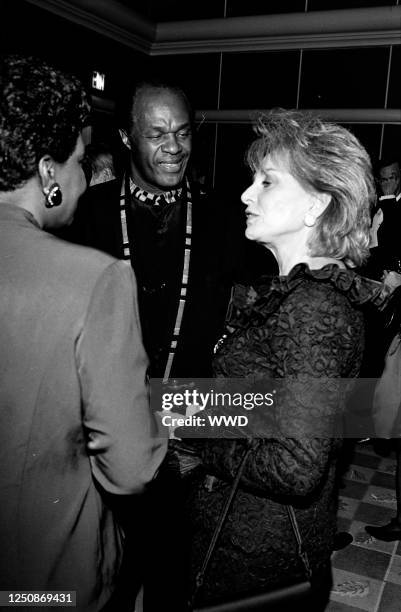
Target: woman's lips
{"x":250,"y":217}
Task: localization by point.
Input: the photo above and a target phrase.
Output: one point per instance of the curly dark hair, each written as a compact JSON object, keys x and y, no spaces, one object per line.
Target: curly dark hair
{"x":42,"y":111}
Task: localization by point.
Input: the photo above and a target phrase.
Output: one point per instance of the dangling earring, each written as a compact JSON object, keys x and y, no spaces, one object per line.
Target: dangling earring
{"x":309,"y":220}
{"x":53,"y":194}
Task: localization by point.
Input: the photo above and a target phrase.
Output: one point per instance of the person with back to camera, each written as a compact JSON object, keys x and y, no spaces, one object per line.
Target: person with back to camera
{"x":309,"y":203}
{"x":75,"y":425}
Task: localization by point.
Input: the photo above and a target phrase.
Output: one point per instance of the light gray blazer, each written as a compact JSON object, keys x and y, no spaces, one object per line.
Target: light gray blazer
{"x":74,"y":411}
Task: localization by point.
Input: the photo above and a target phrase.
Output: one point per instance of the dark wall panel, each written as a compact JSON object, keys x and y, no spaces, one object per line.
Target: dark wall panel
{"x":232,"y":173}
{"x":342,"y":78}
{"x":232,"y":178}
{"x":394,"y":92}
{"x":203,"y":151}
{"x":259,"y":80}
{"x":29,"y":29}
{"x":177,"y":10}
{"x":236,"y":8}
{"x":392,"y":141}
{"x":198,"y":75}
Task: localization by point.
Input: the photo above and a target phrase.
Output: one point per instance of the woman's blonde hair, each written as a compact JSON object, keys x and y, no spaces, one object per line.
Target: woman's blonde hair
{"x":326,"y":158}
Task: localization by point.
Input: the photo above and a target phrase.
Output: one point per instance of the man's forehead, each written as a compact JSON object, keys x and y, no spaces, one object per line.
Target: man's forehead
{"x":154,"y":99}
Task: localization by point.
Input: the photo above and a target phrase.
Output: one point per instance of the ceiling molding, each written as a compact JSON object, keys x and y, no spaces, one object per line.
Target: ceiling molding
{"x":376,"y":26}
{"x":342,"y":115}
{"x":106,"y":17}
{"x":317,"y":29}
{"x":347,"y":20}
{"x":280,"y":43}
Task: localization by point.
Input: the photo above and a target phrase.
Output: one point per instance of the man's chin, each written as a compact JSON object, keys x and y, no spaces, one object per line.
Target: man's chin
{"x":170,"y":180}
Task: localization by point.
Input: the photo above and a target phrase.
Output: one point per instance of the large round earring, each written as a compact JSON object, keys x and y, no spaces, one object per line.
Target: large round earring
{"x":53,"y":194}
{"x":309,"y":220}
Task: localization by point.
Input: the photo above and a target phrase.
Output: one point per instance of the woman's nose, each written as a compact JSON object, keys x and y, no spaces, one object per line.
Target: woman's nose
{"x":247,"y":196}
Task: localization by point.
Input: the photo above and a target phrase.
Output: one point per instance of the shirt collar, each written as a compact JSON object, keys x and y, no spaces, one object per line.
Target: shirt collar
{"x":155,"y":199}
{"x":390,"y":197}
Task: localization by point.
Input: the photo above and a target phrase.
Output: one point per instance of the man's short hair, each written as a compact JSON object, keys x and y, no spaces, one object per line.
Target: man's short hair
{"x":389,"y":160}
{"x":128,"y":109}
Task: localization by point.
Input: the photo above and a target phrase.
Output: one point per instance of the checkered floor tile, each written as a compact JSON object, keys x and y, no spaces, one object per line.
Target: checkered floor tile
{"x":367,"y":573}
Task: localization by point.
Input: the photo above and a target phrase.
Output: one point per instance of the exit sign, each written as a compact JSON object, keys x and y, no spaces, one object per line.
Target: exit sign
{"x":98,"y":80}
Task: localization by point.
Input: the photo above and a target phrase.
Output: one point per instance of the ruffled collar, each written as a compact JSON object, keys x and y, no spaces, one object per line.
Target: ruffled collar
{"x":250,"y":304}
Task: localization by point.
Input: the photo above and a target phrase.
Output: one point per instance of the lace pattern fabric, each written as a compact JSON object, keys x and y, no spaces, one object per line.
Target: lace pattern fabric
{"x":304,"y":326}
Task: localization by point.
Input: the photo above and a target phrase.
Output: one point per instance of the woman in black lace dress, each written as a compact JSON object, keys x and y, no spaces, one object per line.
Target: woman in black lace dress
{"x":309,"y":203}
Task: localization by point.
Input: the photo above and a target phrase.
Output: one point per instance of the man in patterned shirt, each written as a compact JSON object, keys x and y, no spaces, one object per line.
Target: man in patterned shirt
{"x":169,"y":228}
{"x":171,"y":231}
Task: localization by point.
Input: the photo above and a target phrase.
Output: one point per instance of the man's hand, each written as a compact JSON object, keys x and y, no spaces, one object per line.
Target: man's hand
{"x":391,"y":279}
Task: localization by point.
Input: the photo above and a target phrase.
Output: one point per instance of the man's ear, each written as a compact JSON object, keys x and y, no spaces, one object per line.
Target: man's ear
{"x":124,"y":138}
{"x":46,"y":171}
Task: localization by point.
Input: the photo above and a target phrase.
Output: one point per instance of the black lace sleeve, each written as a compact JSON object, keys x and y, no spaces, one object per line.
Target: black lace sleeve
{"x":317,"y":339}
